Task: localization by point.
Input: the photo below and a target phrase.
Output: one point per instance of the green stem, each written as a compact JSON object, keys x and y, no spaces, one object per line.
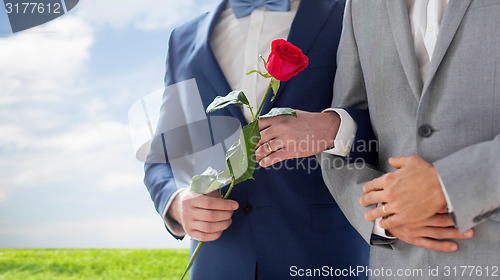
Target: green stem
{"x":229,"y":190}
{"x":251,"y":111}
{"x":264,"y":99}
{"x":191,"y":261}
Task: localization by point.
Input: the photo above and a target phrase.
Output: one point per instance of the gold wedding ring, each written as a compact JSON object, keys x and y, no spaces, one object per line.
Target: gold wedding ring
{"x":383,"y":209}
{"x":269,"y":147}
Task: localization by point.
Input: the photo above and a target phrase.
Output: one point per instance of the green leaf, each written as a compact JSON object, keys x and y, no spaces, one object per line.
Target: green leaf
{"x":279,"y":112}
{"x":236,"y":97}
{"x":275,"y":84}
{"x":210,"y":180}
{"x":240,"y":158}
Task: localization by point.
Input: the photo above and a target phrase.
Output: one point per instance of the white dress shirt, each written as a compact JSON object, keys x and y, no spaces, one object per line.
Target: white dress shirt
{"x":425,"y":20}
{"x":238,"y":42}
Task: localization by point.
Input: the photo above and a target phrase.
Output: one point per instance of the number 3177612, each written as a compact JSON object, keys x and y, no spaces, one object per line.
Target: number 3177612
{"x":33,"y":8}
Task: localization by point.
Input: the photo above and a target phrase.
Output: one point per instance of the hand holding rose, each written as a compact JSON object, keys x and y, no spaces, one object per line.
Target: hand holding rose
{"x":203,"y":217}
{"x":288,"y":137}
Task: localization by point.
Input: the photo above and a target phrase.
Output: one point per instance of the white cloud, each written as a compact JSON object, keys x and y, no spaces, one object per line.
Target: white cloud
{"x":118,"y":181}
{"x":39,"y":63}
{"x":88,"y":138}
{"x":96,"y":156}
{"x":142,"y":15}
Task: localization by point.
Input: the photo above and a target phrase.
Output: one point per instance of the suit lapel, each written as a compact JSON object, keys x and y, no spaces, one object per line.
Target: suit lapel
{"x":311,"y":16}
{"x":452,"y":18}
{"x":209,"y":68}
{"x":401,"y":30}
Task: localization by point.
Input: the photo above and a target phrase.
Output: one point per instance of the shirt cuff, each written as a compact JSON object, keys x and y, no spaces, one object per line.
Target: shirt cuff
{"x":346,"y":134}
{"x":377,"y":230}
{"x":172,"y":225}
{"x":446,"y":196}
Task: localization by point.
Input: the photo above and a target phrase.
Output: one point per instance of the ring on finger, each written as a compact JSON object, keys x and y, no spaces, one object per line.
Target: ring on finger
{"x":269,"y":147}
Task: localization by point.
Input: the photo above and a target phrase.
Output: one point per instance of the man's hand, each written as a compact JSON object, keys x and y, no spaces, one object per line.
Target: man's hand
{"x":431,"y":232}
{"x":410,"y":194}
{"x":286,"y":137}
{"x":203,"y":217}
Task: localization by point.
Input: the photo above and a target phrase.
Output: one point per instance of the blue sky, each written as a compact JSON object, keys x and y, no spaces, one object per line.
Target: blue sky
{"x":68,"y":176}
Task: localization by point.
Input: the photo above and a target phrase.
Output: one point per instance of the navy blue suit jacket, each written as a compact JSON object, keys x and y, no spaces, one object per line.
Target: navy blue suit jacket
{"x":287,"y":218}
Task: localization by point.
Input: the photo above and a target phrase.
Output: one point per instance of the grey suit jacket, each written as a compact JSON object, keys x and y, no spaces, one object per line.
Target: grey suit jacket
{"x":452,"y":120}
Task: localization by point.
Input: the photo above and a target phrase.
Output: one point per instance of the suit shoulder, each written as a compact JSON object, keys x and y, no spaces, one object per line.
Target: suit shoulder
{"x":187,"y":31}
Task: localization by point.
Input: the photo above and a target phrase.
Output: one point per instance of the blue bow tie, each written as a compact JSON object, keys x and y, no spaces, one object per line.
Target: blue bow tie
{"x":243,"y":8}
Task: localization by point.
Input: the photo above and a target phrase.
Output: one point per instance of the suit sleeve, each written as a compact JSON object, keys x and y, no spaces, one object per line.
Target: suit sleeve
{"x":345,"y":177}
{"x":159,"y":178}
{"x":472,"y":180}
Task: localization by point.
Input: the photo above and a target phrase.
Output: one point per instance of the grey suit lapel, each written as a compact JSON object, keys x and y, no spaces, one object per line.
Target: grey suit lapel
{"x":449,"y":25}
{"x":401,"y":30}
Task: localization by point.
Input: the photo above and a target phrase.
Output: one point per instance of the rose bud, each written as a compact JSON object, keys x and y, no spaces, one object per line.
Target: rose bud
{"x":285,"y":60}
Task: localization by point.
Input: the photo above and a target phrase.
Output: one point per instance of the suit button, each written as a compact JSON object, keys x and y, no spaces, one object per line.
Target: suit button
{"x":477,"y":219}
{"x":247,"y":209}
{"x":425,"y":131}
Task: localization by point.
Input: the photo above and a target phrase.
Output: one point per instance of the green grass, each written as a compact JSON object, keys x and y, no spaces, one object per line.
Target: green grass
{"x":93,"y":264}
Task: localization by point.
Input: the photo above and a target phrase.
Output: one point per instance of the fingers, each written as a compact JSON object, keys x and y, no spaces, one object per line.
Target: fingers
{"x":268,"y":133}
{"x":373,"y":214}
{"x":400,"y":162}
{"x":436,"y":245}
{"x":373,"y":197}
{"x":374,"y":185}
{"x":444,"y":233}
{"x":205,"y":217}
{"x":432,"y":238}
{"x":438,"y":220}
{"x":443,"y":210}
{"x":210,"y":203}
{"x":203,"y":236}
{"x":264,"y":150}
{"x":274,"y":158}
{"x":265,"y":123}
{"x":212,"y":227}
{"x":395,"y":220}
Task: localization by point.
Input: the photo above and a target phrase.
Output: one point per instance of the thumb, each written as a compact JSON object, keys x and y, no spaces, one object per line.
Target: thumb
{"x":399,"y":162}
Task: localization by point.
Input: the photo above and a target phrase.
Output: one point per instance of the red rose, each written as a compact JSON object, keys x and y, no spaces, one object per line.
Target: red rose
{"x":285,"y":60}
